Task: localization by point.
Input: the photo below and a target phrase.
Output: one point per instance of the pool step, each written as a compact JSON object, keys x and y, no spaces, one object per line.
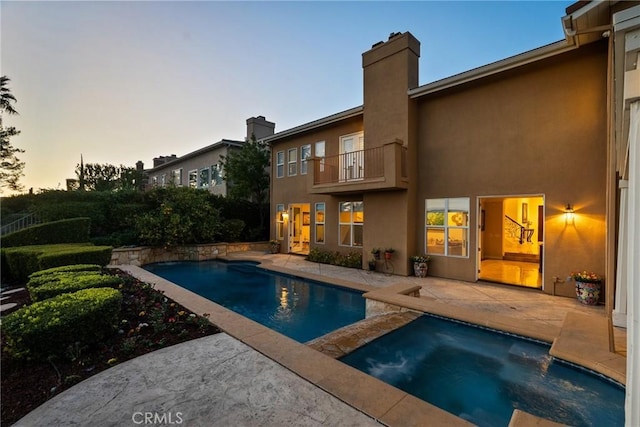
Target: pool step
{"x":343,"y":341}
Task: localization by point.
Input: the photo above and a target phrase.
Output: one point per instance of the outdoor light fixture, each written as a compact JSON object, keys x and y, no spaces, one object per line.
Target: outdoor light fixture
{"x":568,"y":214}
{"x":285,"y":216}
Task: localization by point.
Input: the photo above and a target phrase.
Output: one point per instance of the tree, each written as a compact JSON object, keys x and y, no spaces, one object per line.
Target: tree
{"x":247,"y":170}
{"x":106,"y":177}
{"x":11,"y":168}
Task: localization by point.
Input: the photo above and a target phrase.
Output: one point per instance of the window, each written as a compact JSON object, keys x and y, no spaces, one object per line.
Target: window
{"x":216,"y":174}
{"x":163,"y":179}
{"x":203,"y":179}
{"x":193,"y":178}
{"x":319,"y":222}
{"x":305,"y":153}
{"x":154,"y":181}
{"x":176,"y":177}
{"x":320,"y":154}
{"x":293,"y":162}
{"x":447,"y":227}
{"x":351,"y":220}
{"x":280,"y":164}
{"x":279,"y":222}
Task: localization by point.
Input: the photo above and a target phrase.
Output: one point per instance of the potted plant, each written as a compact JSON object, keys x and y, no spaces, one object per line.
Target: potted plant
{"x":376,"y":253}
{"x":274,"y":245}
{"x":420,"y":265}
{"x":588,"y":286}
{"x":388,"y":252}
{"x":372,"y":263}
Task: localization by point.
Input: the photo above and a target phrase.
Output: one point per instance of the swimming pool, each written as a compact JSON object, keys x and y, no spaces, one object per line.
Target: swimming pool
{"x":300,"y":309}
{"x":482,"y":375}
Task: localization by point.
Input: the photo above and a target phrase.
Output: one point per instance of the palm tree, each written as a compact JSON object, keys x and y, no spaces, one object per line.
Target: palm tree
{"x":6,"y":98}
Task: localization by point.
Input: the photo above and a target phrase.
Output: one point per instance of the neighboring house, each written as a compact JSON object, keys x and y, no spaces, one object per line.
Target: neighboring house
{"x":516,"y":161}
{"x":203,"y":168}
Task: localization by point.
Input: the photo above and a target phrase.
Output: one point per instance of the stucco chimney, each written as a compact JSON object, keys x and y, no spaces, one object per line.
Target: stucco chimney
{"x":260,"y":127}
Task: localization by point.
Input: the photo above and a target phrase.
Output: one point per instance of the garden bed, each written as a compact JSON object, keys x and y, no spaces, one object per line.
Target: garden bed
{"x":148,"y":321}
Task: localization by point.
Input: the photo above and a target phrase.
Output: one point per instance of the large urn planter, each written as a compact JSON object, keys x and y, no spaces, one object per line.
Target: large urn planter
{"x":588,"y":293}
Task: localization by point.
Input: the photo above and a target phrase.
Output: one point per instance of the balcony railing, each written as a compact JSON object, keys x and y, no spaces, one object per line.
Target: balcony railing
{"x":371,"y":169}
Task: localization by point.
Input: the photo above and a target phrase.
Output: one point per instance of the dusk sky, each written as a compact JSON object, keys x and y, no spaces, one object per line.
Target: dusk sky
{"x":125,"y":81}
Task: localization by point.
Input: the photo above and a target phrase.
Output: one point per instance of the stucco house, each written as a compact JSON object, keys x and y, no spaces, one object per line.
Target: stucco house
{"x":524,"y":160}
{"x":202,"y":168}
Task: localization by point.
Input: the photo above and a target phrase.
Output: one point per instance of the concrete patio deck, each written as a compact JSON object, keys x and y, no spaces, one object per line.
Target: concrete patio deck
{"x":250,"y":375}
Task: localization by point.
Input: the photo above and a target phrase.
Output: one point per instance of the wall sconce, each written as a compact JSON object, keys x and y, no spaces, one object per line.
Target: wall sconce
{"x":568,"y":214}
{"x":285,"y":216}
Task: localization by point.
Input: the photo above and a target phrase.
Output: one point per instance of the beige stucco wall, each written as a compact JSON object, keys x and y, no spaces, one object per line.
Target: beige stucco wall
{"x":539,"y":129}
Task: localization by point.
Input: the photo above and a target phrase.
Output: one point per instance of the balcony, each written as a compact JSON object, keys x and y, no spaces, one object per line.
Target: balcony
{"x":373,"y":169}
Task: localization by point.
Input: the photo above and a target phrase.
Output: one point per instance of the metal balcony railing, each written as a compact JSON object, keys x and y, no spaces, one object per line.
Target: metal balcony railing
{"x":347,"y":167}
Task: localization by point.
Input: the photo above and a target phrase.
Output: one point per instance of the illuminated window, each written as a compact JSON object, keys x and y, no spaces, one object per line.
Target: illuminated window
{"x":280,"y":164}
{"x":293,"y":162}
{"x":203,"y":179}
{"x":447,"y":227}
{"x":305,"y":153}
{"x":279,"y":222}
{"x":193,"y":178}
{"x":351,"y":220}
{"x":319,"y":222}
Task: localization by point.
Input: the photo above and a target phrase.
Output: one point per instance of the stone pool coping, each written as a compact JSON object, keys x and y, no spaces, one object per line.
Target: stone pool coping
{"x":369,"y":395}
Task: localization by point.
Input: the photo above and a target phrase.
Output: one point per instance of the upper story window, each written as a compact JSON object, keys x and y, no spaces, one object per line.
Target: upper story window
{"x":176,"y":177}
{"x":320,"y":154}
{"x":447,"y":227}
{"x":163,"y":179}
{"x":305,"y":153}
{"x":203,"y":179}
{"x":293,"y":162}
{"x":216,"y":174}
{"x":279,"y":164}
{"x":351,"y":220}
{"x":193,"y":178}
{"x":154,"y":181}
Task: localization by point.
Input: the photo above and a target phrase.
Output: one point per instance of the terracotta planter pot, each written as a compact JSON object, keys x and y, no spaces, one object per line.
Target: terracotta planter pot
{"x":387,"y":255}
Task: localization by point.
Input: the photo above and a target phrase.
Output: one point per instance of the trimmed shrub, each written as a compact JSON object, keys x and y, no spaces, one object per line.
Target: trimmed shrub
{"x":48,"y":327}
{"x":74,"y":230}
{"x":18,"y":263}
{"x":67,"y":269}
{"x":352,"y":259}
{"x":64,"y":283}
{"x":44,"y":279}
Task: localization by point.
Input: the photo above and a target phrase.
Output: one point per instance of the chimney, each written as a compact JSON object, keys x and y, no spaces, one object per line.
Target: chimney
{"x":159,"y":161}
{"x":260,"y":127}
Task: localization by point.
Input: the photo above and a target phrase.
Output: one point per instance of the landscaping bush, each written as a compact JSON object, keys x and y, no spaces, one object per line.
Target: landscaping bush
{"x":66,"y":269}
{"x":352,"y":259}
{"x":75,"y":230}
{"x":63,"y":283}
{"x":56,"y":277}
{"x":48,"y":327}
{"x":18,"y":263}
{"x":231,"y":230}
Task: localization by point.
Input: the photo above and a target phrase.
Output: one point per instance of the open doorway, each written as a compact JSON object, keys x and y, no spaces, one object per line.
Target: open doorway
{"x":511,"y":240}
{"x":299,"y":228}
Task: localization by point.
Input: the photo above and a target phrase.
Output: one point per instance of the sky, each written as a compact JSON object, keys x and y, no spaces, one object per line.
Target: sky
{"x":122,"y":81}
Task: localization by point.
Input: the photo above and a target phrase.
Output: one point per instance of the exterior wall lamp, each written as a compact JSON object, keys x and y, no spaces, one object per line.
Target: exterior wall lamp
{"x":285,"y":216}
{"x":568,"y":214}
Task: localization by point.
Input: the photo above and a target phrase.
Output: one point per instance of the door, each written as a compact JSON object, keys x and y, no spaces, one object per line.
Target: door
{"x":299,"y":228}
{"x":352,"y":157}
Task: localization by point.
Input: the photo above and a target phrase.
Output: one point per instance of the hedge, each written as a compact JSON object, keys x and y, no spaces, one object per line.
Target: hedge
{"x":49,"y":327}
{"x":74,"y":230}
{"x":352,"y":259}
{"x":67,"y":269}
{"x":35,"y":281}
{"x":70,"y":282}
{"x":18,"y":263}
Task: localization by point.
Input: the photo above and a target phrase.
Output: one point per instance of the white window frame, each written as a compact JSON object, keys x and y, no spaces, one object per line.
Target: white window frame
{"x":176,"y":177}
{"x":154,"y":181}
{"x":320,"y":221}
{"x":280,"y":164}
{"x":163,"y":180}
{"x":204,"y":183}
{"x":292,"y":164}
{"x":216,"y":171}
{"x":193,"y":178}
{"x":352,"y":224}
{"x":446,"y":227}
{"x":280,"y":222}
{"x":304,"y":164}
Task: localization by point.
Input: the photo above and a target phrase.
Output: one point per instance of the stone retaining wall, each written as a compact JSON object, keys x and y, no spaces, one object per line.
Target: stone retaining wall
{"x":141,"y":255}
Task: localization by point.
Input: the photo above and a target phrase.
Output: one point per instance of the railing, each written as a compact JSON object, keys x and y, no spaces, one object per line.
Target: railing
{"x":352,"y":166}
{"x":517,"y":231}
{"x":25,"y":221}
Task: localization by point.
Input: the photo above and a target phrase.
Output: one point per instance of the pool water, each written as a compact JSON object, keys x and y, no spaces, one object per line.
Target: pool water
{"x":482,"y":375}
{"x":300,"y":309}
